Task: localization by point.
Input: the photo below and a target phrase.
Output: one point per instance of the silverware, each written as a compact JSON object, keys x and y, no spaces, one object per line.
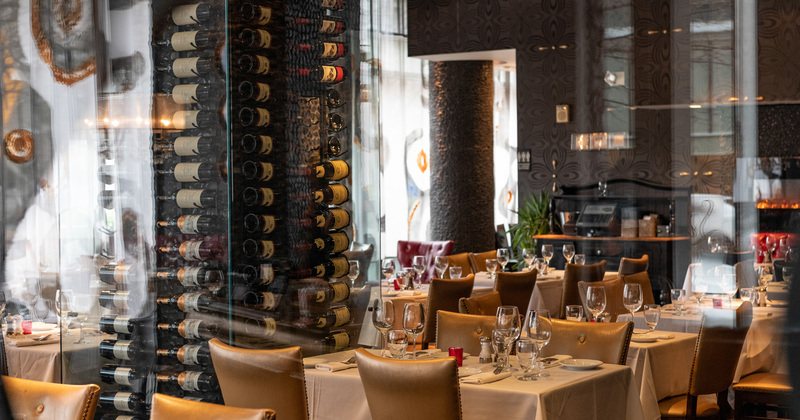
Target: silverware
{"x":42,"y":338}
{"x":350,"y":361}
{"x":498,"y":369}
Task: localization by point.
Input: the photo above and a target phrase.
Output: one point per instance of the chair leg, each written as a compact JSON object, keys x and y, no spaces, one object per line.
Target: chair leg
{"x":738,"y":406}
{"x":691,"y":407}
{"x":724,"y":407}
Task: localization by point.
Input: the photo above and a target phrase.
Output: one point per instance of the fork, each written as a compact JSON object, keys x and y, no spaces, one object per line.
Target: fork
{"x":350,"y":361}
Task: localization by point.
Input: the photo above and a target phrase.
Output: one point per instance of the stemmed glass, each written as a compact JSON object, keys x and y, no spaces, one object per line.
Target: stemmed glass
{"x":387,"y":268}
{"x":528,"y":255}
{"x":540,"y":265}
{"x":383,"y":319}
{"x":455,"y":272}
{"x":397,"y":343}
{"x":63,"y":305}
{"x":355,"y":269}
{"x":408,"y":274}
{"x":491,"y":267}
{"x":729,"y":285}
{"x":596,"y":301}
{"x":580,"y":259}
{"x":503,"y":256}
{"x":547,"y":254}
{"x":678,"y":300}
{"x":440,"y":265}
{"x":507,"y":326}
{"x":419,"y":266}
{"x":788,"y":273}
{"x":539,"y":330}
{"x":569,"y":251}
{"x":413,"y":323}
{"x":527,"y":354}
{"x":783,"y":246}
{"x":765,"y":274}
{"x":652,"y":313}
{"x":769,"y":241}
{"x":632,"y":297}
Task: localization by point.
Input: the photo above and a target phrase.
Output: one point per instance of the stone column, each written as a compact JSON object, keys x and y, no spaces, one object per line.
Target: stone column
{"x":462,"y":165}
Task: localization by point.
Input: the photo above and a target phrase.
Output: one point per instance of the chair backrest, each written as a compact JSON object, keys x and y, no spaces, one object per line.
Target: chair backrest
{"x":614,"y":288}
{"x":432,"y":385}
{"x":516,"y":288}
{"x":459,"y":260}
{"x":718,"y":348}
{"x":604,"y":341}
{"x":574,"y":273}
{"x":633,"y":265}
{"x":261,"y":378}
{"x":745,"y":273}
{"x":166,"y":407}
{"x":49,"y":401}
{"x":642,"y":279}
{"x":406,"y":250}
{"x":443,"y":295}
{"x":478,"y":261}
{"x":363,"y":254}
{"x":480,"y":305}
{"x":462,"y":330}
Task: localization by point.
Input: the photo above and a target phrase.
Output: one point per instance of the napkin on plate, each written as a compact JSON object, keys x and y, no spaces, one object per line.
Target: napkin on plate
{"x":485,"y":378}
{"x":334,"y":366}
{"x":28,"y":340}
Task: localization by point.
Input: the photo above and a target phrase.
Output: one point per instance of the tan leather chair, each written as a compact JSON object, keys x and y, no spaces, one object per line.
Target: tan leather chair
{"x":443,"y":295}
{"x":745,"y":274}
{"x":478,"y":261}
{"x":49,"y":401}
{"x":459,"y":260}
{"x":614,"y":304}
{"x":261,"y":378}
{"x":481,"y":305}
{"x":516,"y":288}
{"x":716,"y":355}
{"x":604,"y":341}
{"x":758,"y":393}
{"x":402,"y":389}
{"x":643,"y":279}
{"x":462,"y":330}
{"x":574,"y":273}
{"x":170,"y":408}
{"x":633,"y":265}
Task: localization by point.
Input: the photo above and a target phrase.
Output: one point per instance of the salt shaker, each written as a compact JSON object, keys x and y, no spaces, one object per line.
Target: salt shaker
{"x":486,"y":350}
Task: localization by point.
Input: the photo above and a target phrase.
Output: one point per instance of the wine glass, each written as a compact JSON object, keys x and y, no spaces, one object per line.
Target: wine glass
{"x":440,"y":264}
{"x":547,"y":254}
{"x":355,"y":269}
{"x":499,"y":346}
{"x":729,"y":286}
{"x":527,"y":355}
{"x":678,"y":300}
{"x":383,"y":319}
{"x":82,"y":320}
{"x":540,"y":331}
{"x":419,"y":266}
{"x":596,"y":301}
{"x":455,"y":272}
{"x":632,"y":297}
{"x":63,"y":305}
{"x":387,"y":268}
{"x":713,"y":244}
{"x":408,"y":274}
{"x":413,"y":322}
{"x":507,"y":325}
{"x":788,"y":273}
{"x":397,"y":343}
{"x":574,"y":313}
{"x":746,"y":293}
{"x":503,"y":256}
{"x":580,"y":259}
{"x":771,"y":244}
{"x":765,"y":275}
{"x":528,"y":255}
{"x":652,"y":313}
{"x":783,"y":246}
{"x":569,"y":251}
{"x":540,"y":265}
{"x":491,"y":267}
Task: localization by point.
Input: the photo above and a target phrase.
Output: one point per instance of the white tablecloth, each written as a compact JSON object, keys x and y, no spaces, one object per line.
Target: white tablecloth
{"x":81,"y":362}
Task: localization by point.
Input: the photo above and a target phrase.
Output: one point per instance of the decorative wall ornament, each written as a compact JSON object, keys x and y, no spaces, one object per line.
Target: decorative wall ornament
{"x":19,"y":145}
{"x":64,"y":38}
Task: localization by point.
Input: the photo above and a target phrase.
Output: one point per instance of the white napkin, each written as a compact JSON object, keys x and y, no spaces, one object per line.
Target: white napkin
{"x":485,"y":378}
{"x":28,"y":340}
{"x":409,"y":293}
{"x":334,"y":366}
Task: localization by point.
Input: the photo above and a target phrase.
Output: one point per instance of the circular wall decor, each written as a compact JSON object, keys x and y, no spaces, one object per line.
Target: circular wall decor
{"x":19,"y":145}
{"x":62,"y":30}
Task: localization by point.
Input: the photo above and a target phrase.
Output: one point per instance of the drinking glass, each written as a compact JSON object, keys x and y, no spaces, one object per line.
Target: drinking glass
{"x":503,"y":256}
{"x":746,"y":293}
{"x":82,"y":320}
{"x":698,"y":292}
{"x":765,"y":275}
{"x":387,"y":268}
{"x":540,"y":265}
{"x":788,"y":273}
{"x":507,"y":325}
{"x":440,"y":265}
{"x":729,"y":286}
{"x":419,"y":267}
{"x":771,"y":244}
{"x":574,"y":313}
{"x":528,"y":255}
{"x":397,"y":343}
{"x":491,"y":267}
{"x":632,"y":297}
{"x":527,"y":354}
{"x":383,"y":319}
{"x":408,"y":274}
{"x":413,"y":322}
{"x":678,"y":300}
{"x":63,"y":305}
{"x":580,"y":259}
{"x":596,"y":301}
{"x":540,"y":331}
{"x":652,"y":313}
{"x":547,"y":254}
{"x":499,"y":346}
{"x":455,"y":272}
{"x":355,"y":269}
{"x":713,"y":244}
{"x":783,"y":246}
{"x":569,"y":251}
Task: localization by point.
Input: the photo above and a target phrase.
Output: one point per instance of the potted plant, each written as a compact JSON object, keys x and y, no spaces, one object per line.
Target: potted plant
{"x":533,"y":219}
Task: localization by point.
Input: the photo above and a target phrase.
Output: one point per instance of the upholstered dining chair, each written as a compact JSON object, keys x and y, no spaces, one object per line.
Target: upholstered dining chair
{"x":480,"y":305}
{"x":716,"y":355}
{"x":406,"y":250}
{"x":516,"y":288}
{"x":463,"y":330}
{"x":757,"y":393}
{"x":49,"y":401}
{"x":166,"y":407}
{"x":633,"y":265}
{"x":642,"y":279}
{"x":390,"y":386}
{"x":478,"y":261}
{"x":604,"y":341}
{"x":443,"y":295}
{"x":614,"y":288}
{"x":459,"y":260}
{"x":574,"y":273}
{"x":261,"y":378}
{"x":745,"y":274}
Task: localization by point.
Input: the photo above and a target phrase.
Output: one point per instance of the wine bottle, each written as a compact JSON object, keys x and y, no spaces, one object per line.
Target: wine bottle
{"x":123,"y":401}
{"x":255,"y":38}
{"x":191,"y":329}
{"x":261,"y":223}
{"x":188,"y":302}
{"x":190,"y":40}
{"x":194,"y":251}
{"x":193,"y":14}
{"x":189,"y":146}
{"x":118,"y":273}
{"x":333,"y":99}
{"x":191,"y":172}
{"x":192,"y":198}
{"x":331,"y":4}
{"x":325,"y":26}
{"x":334,"y":267}
{"x":107,"y":174}
{"x":258,"y":171}
{"x":324,"y":74}
{"x":193,"y":224}
{"x":121,"y":349}
{"x":190,"y":381}
{"x":258,"y":117}
{"x":192,"y":276}
{"x":264,"y":327}
{"x":335,"y":341}
{"x":252,"y":14}
{"x":187,"y":120}
{"x":193,"y":93}
{"x":190,"y":354}
{"x":324,"y":50}
{"x":265,"y":301}
{"x":118,"y":324}
{"x":253,"y":91}
{"x":115,"y":374}
{"x":120,"y":417}
{"x":334,"y":170}
{"x":121,"y":299}
{"x":189,"y":67}
{"x":335,"y":123}
{"x":332,"y":194}
{"x":257,"y":144}
{"x":327,"y":292}
{"x":263,"y":249}
{"x":263,"y":275}
{"x":335,"y":317}
{"x":265,"y":197}
{"x":253,"y":64}
{"x":333,"y":219}
{"x":333,"y":147}
{"x":333,"y":243}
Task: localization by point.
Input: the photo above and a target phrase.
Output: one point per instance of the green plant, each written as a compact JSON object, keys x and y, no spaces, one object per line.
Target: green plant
{"x":533,"y":219}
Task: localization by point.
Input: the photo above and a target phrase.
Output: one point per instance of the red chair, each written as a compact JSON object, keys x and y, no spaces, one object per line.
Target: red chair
{"x":406,"y":250}
{"x":760,"y":239}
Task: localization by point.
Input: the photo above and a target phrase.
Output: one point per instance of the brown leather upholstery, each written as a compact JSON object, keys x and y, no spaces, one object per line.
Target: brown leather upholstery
{"x":48,"y":401}
{"x":716,"y":355}
{"x":516,"y":288}
{"x":758,"y":393}
{"x":745,"y":274}
{"x":604,"y":341}
{"x":481,"y":305}
{"x":463,"y":330}
{"x":459,"y":260}
{"x":773,"y":383}
{"x":406,"y":250}
{"x":261,"y":378}
{"x":574,"y":273}
{"x":478,"y":261}
{"x":633,"y":265}
{"x":166,"y":407}
{"x":614,"y":288}
{"x":443,"y":295}
{"x":647,"y":289}
{"x":402,"y":389}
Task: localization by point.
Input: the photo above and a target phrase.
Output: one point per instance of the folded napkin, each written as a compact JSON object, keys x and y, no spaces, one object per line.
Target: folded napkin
{"x":334,"y":366}
{"x":32,"y":340}
{"x":485,"y":378}
{"x":409,"y":293}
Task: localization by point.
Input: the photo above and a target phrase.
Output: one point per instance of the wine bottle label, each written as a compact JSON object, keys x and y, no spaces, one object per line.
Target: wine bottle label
{"x":332,"y":4}
{"x":270,"y":326}
{"x":340,"y":170}
{"x":342,"y":316}
{"x":120,"y":349}
{"x":341,"y":218}
{"x":187,"y":172}
{"x":266,"y":145}
{"x":185,"y":94}
{"x":188,"y":224}
{"x":121,"y":376}
{"x":183,"y":120}
{"x":330,"y":27}
{"x":264,"y":38}
{"x":189,"y":355}
{"x":267,"y":249}
{"x":268,"y":301}
{"x":189,"y":199}
{"x":124,"y":418}
{"x":332,"y":50}
{"x":121,"y":273}
{"x":122,"y":401}
{"x":185,"y":67}
{"x":341,"y":340}
{"x":190,"y":250}
{"x":264,"y":15}
{"x":191,"y":328}
{"x":332,"y":74}
{"x":267,"y":274}
{"x":262,"y":64}
{"x":339,"y":195}
{"x":189,"y":381}
{"x":187,"y":146}
{"x":267,"y":223}
{"x":267,"y":170}
{"x":262,"y":92}
{"x":190,"y":302}
{"x":185,"y":15}
{"x":340,"y":242}
{"x":184,"y":41}
{"x":121,"y":325}
{"x":341,"y":291}
{"x":262,"y":119}
{"x":120,"y":299}
{"x":188,"y":276}
{"x":268,"y":197}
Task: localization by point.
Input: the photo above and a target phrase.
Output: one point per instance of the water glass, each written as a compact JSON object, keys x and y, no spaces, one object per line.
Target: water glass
{"x":569,"y":251}
{"x":580,"y":259}
{"x":499,"y":346}
{"x":455,"y":272}
{"x":408,"y":274}
{"x":440,"y":264}
{"x":574,"y":313}
{"x":383,"y":319}
{"x":388,"y":268}
{"x":355,"y":270}
{"x":528,"y":254}
{"x":632,"y":297}
{"x":540,"y":265}
{"x":398,"y":343}
{"x":491,"y":267}
{"x":419,"y":267}
{"x":547,"y":254}
{"x":539,"y":330}
{"x":413,"y":322}
{"x":503,"y":256}
{"x":678,"y":300}
{"x":747,"y":293}
{"x":652,"y":314}
{"x":596,"y":301}
{"x":507,"y":325}
{"x":527,"y":354}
